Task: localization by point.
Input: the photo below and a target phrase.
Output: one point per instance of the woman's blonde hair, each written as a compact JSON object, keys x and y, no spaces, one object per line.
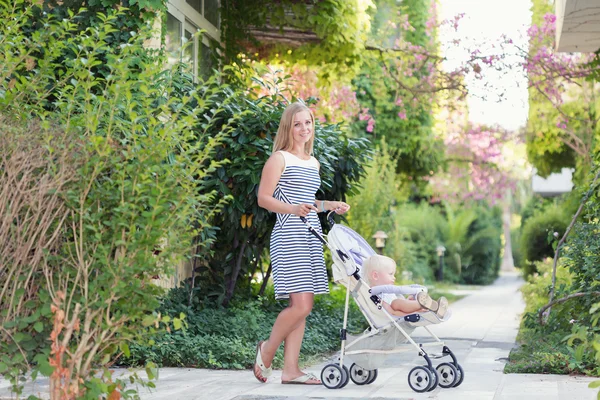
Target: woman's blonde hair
{"x":284,"y":139}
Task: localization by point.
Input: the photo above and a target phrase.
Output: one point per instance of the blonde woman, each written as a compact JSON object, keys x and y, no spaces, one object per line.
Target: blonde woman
{"x":289,"y":182}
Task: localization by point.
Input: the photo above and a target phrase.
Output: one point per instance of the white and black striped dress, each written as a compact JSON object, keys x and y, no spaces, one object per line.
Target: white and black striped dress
{"x":297,"y":255}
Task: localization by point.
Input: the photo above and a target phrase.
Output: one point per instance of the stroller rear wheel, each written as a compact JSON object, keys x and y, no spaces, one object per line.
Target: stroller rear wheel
{"x":346,"y":377}
{"x":361,"y":376}
{"x":448,"y":375}
{"x":420,"y":379}
{"x":334,"y":377}
{"x":435,"y":379}
{"x":373,"y":376}
{"x":460,"y":375}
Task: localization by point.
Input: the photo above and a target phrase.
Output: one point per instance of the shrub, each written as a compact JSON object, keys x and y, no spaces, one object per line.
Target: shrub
{"x":422,"y":226}
{"x":534,"y":205}
{"x":482,"y":259}
{"x":537,"y":235}
{"x":219,"y":337}
{"x":370,"y":207}
{"x":515,"y":242}
{"x":549,"y":348}
{"x":244,"y":227}
{"x":118,"y":197}
{"x":457,"y":240}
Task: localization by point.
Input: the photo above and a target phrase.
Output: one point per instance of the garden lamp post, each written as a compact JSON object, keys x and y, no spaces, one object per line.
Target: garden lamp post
{"x":440,"y":252}
{"x":380,"y":237}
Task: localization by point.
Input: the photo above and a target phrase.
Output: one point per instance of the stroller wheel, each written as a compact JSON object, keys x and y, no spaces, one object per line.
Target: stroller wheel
{"x":460,"y":374}
{"x":448,"y":375}
{"x":359,"y":375}
{"x":419,"y":379}
{"x":333,"y":376}
{"x":435,"y":379}
{"x":346,"y":377}
{"x":373,"y":376}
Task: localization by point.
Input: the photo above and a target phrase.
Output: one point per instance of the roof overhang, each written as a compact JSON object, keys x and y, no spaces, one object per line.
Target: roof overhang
{"x":553,"y":185}
{"x":577,"y":25}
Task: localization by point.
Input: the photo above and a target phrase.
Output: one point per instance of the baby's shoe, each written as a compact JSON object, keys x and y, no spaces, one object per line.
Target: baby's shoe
{"x":426,"y":301}
{"x":438,"y":307}
{"x":442,"y":307}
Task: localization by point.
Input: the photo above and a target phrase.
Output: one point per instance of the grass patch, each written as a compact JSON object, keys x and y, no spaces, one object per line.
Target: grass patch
{"x":540,"y":354}
{"x":453,"y":292}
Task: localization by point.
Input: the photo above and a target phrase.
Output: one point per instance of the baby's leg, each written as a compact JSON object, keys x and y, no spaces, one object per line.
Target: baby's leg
{"x":406,"y":306}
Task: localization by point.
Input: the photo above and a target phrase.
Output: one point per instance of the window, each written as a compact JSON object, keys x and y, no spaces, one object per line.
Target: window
{"x":184,"y":19}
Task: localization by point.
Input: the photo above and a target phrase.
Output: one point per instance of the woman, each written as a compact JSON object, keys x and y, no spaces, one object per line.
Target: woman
{"x":289,"y":181}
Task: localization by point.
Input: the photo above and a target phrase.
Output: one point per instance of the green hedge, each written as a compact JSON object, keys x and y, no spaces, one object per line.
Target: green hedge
{"x":484,"y":252}
{"x":218,"y":337}
{"x":537,"y":235}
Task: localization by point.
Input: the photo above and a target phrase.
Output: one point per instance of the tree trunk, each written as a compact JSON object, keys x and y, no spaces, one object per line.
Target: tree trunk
{"x":265,"y":280}
{"x":234,"y":274}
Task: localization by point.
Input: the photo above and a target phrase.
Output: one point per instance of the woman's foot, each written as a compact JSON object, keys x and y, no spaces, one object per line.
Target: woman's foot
{"x":261,"y":372}
{"x":300,"y":379}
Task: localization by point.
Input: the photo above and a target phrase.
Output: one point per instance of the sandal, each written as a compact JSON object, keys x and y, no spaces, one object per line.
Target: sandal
{"x":438,"y":307}
{"x":303,"y":380}
{"x":263,"y":372}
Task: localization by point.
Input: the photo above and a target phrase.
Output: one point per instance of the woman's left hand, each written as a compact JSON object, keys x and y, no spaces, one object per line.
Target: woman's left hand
{"x":339,"y":207}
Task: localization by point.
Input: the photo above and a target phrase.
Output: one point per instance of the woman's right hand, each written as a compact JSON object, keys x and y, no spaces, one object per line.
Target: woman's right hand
{"x":303,"y":209}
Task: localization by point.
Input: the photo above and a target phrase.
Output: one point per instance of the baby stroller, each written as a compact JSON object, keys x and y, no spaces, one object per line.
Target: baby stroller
{"x":387,"y":334}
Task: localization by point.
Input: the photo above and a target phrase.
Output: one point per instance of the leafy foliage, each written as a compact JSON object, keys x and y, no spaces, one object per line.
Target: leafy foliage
{"x":484,"y":246}
{"x":340,"y":26}
{"x":225,"y":338}
{"x":538,"y":235}
{"x":253,"y":122}
{"x":133,"y":200}
{"x":550,"y":348}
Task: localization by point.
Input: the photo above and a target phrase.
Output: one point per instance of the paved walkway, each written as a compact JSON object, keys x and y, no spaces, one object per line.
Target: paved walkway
{"x":481,"y":333}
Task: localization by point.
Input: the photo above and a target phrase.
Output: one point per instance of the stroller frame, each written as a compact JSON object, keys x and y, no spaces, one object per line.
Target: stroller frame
{"x":421,"y":378}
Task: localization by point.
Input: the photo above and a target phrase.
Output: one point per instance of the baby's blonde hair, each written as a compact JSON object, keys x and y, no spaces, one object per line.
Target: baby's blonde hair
{"x":376,"y":263}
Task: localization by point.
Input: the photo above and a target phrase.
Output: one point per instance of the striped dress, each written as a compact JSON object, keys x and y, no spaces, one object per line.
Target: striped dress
{"x":297,"y":255}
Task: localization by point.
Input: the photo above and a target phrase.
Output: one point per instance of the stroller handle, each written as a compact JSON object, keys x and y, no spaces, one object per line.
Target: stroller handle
{"x":313,"y":231}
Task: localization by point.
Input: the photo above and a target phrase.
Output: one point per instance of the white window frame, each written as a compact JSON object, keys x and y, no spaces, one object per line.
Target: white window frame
{"x":192,"y":21}
{"x":182,"y":11}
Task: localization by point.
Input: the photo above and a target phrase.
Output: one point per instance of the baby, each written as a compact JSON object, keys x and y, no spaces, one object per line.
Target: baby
{"x":381,"y":270}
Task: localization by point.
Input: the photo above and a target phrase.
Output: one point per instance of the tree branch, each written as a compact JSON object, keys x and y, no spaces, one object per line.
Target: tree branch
{"x":561,"y":300}
{"x":561,"y":242}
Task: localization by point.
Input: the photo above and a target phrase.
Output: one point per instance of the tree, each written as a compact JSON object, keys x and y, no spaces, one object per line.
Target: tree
{"x":562,"y":128}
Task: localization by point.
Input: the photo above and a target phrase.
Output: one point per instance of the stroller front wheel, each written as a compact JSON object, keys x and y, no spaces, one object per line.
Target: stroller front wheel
{"x":420,"y":379}
{"x":334,"y":377}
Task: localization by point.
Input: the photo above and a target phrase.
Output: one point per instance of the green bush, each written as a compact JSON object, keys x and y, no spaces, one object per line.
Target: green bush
{"x":421,"y":227}
{"x":482,"y":260}
{"x":534,"y":205}
{"x":458,"y":240}
{"x":371,"y":206}
{"x":218,"y":337}
{"x":515,"y":242}
{"x":244,"y":227}
{"x":552,"y":348}
{"x":537,"y":236}
{"x":128,"y":149}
